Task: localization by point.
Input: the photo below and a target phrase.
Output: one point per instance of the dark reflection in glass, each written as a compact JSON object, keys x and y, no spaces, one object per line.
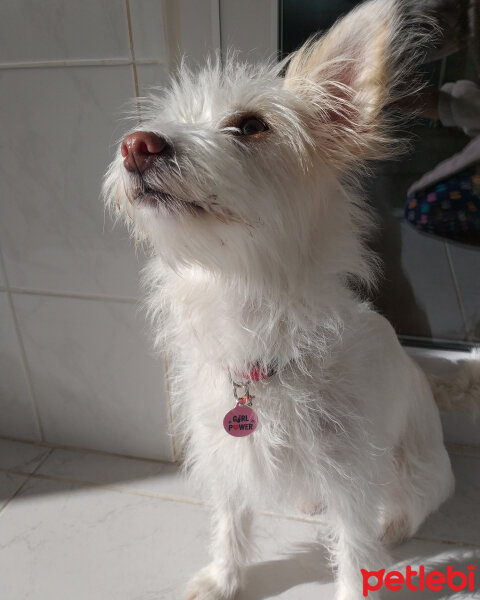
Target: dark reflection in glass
{"x":426,"y":290}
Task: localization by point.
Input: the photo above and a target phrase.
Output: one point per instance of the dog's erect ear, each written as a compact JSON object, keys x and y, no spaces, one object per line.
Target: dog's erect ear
{"x":352,"y":72}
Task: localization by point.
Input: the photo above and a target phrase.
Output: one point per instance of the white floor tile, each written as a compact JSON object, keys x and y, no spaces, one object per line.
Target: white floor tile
{"x":82,"y":542}
{"x":124,"y":473}
{"x":18,"y":456}
{"x":97,"y":544}
{"x":291,"y":563}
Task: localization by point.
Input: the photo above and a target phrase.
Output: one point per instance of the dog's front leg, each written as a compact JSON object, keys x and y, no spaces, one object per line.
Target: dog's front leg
{"x":357,"y":549}
{"x":222,"y":578}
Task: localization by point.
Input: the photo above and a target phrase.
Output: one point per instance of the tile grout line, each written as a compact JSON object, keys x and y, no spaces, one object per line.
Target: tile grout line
{"x":79,"y":450}
{"x":453,"y":449}
{"x":190,"y":501}
{"x":77,"y":296}
{"x":28,"y":477}
{"x":134,"y":492}
{"x":23,"y":354}
{"x":103,"y":486}
{"x":216,"y":21}
{"x":94,"y":62}
{"x":132,"y":48}
{"x":167,"y":498}
{"x":461,"y":451}
{"x":17,"y":491}
{"x":457,"y":290}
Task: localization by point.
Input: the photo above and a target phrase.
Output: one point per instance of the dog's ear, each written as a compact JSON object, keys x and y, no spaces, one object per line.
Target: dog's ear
{"x":351,"y":73}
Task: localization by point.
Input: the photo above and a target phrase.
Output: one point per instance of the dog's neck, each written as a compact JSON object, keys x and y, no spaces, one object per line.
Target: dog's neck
{"x":220,"y":324}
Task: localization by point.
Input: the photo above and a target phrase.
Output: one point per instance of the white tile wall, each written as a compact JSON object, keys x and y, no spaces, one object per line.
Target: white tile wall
{"x":148,"y":29}
{"x":17,"y":415}
{"x":151,"y":76}
{"x":198,"y":29}
{"x":34,"y":30}
{"x":61,"y":128}
{"x":250,"y":27}
{"x":96,"y":383}
{"x":2,"y":276}
{"x":67,"y":67}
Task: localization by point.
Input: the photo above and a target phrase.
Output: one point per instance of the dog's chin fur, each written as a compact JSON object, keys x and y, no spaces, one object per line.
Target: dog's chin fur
{"x":254,"y":240}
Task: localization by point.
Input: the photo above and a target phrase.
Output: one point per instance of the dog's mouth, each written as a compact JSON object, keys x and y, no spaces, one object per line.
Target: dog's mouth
{"x":154,"y":198}
{"x":141,"y":194}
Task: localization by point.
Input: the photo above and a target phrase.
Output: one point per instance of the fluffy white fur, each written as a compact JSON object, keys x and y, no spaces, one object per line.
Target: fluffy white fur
{"x":263,"y":273}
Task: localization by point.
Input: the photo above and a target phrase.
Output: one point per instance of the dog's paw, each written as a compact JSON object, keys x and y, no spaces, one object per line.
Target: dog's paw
{"x":209,"y":585}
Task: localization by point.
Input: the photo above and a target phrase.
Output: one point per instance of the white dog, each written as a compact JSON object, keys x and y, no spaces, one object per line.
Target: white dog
{"x":242,"y":179}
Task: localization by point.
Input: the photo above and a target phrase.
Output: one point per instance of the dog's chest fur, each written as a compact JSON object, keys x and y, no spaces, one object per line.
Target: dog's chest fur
{"x":305,"y":418}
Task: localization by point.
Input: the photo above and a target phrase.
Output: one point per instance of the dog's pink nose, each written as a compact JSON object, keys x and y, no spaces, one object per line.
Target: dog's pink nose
{"x":139,"y":150}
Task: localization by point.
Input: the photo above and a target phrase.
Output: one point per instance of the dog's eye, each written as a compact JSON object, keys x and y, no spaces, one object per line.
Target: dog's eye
{"x":251,"y":126}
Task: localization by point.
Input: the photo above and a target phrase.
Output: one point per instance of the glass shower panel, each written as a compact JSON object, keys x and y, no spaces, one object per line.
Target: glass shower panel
{"x":430,"y":288}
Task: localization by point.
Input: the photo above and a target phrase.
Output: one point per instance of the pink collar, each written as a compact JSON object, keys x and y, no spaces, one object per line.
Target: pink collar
{"x":256,"y":373}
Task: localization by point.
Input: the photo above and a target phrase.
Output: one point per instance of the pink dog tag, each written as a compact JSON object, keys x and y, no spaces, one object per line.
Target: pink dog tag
{"x":240,"y":421}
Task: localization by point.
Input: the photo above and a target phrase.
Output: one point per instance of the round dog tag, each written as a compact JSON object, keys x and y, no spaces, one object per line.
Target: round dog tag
{"x":240,"y":421}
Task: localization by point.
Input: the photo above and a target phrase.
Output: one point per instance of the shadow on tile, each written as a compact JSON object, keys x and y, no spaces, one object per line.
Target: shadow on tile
{"x":271,"y":578}
{"x":456,"y":557}
{"x":20,"y":457}
{"x":89,"y":468}
{"x":309,"y":565}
